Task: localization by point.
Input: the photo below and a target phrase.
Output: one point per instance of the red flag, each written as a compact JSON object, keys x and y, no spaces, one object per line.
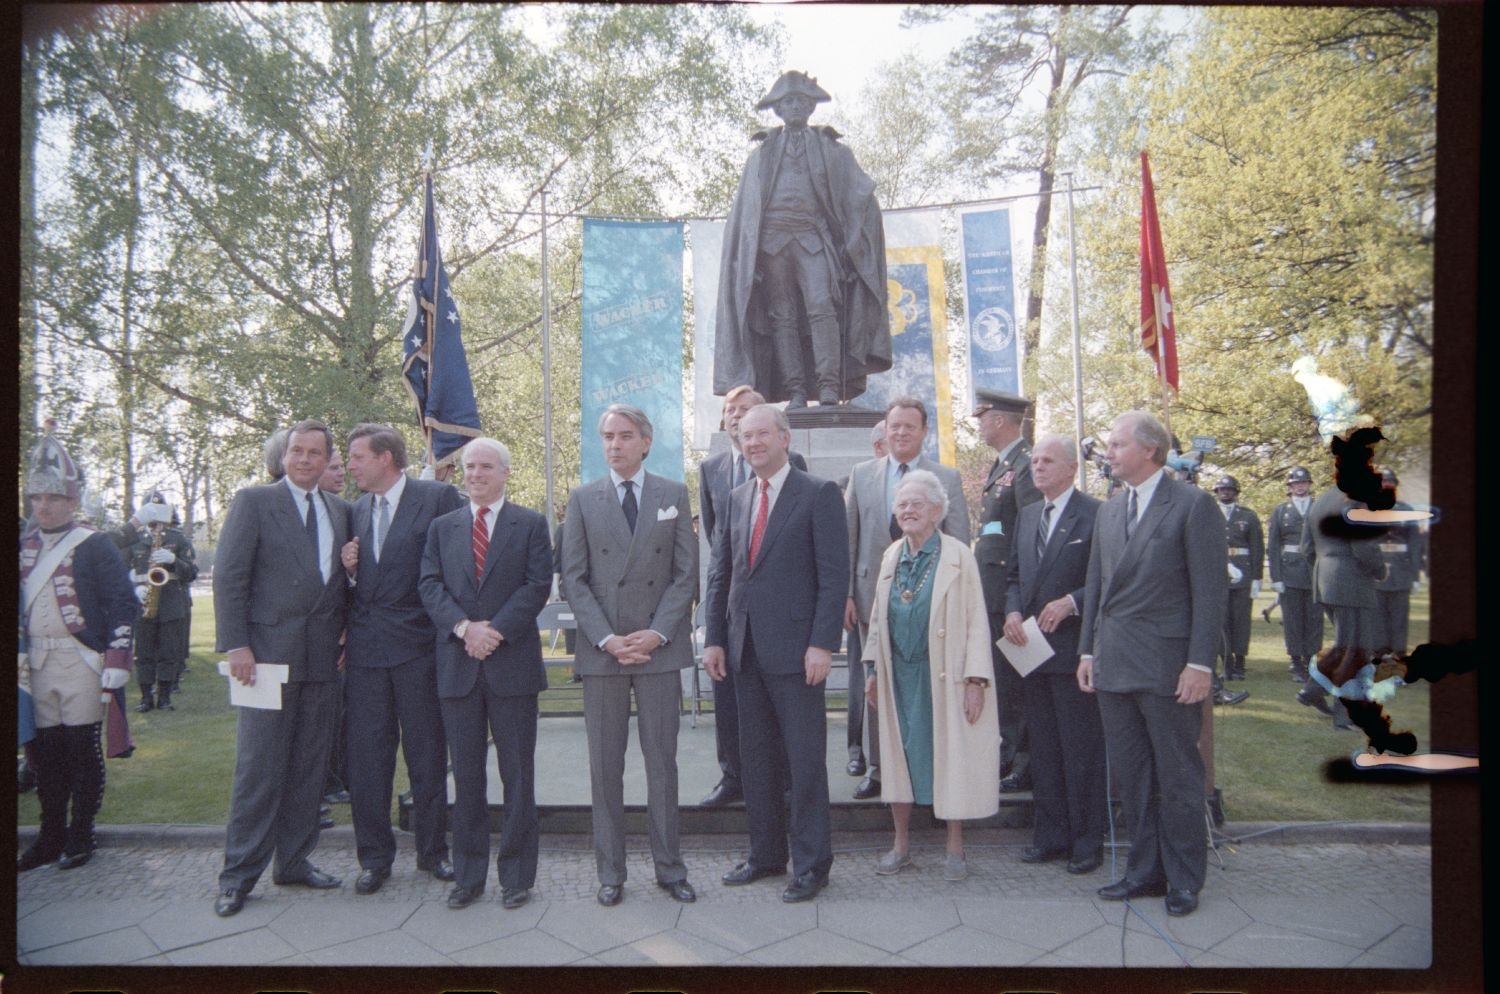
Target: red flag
{"x":1158,"y":324}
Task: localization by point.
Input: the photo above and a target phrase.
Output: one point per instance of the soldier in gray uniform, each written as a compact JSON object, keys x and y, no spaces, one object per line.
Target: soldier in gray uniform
{"x":1291,"y":575}
{"x":1007,"y":489}
{"x":1247,"y":553}
{"x":154,"y":550}
{"x":1404,"y":551}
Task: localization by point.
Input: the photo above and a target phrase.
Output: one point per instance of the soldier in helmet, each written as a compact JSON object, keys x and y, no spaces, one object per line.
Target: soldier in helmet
{"x":1291,"y":575}
{"x":1404,"y":551}
{"x":1247,"y":551}
{"x":77,"y":606}
{"x":162,"y":564}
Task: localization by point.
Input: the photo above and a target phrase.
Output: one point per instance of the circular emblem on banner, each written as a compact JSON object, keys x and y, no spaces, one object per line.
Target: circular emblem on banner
{"x":994,"y":329}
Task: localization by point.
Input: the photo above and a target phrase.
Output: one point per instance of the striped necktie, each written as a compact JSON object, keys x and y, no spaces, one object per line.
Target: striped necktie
{"x":481,"y":543}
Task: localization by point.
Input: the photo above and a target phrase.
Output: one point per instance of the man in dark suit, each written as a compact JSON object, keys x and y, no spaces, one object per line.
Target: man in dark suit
{"x":390,"y":678}
{"x":486,"y":573}
{"x":1047,"y":574}
{"x":1291,"y":575}
{"x":776,"y":590}
{"x":279,"y":597}
{"x":1152,"y":617}
{"x":629,"y":571}
{"x":717,"y":476}
{"x":1247,"y":554}
{"x":869,"y":502}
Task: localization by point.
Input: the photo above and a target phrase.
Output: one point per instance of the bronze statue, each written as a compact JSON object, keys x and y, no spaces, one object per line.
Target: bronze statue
{"x":802,"y":290}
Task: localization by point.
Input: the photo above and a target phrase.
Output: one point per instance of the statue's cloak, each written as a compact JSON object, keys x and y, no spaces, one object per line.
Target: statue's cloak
{"x":742,"y":344}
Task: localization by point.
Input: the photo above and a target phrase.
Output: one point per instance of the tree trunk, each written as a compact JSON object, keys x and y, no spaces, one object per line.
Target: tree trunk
{"x":127,"y":332}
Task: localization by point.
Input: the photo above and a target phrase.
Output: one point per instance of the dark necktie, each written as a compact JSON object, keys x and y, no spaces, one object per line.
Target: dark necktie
{"x":739,"y":472}
{"x":900,"y":475}
{"x":1130,"y":511}
{"x":1041,"y":533}
{"x":382,"y":525}
{"x":761,"y":514}
{"x":628,"y":505}
{"x":312,"y":530}
{"x":481,"y":543}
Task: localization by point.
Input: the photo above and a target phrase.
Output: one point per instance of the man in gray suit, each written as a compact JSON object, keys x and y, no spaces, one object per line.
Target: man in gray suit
{"x":390,"y":676}
{"x":279,"y":597}
{"x":868,"y":500}
{"x":629,"y":571}
{"x":1152,"y":618}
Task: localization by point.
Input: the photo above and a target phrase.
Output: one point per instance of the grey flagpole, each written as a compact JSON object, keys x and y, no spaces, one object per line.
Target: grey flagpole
{"x":1077,"y":352}
{"x":547,"y":376}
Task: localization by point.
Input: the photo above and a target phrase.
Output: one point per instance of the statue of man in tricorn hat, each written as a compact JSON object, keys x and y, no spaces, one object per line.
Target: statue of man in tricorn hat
{"x":802,"y":292}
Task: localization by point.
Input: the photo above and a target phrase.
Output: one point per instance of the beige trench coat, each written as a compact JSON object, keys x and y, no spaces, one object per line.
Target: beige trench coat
{"x":966,"y":758}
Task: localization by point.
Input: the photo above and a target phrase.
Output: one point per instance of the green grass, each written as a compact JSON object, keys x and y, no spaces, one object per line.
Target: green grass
{"x":1269,"y":751}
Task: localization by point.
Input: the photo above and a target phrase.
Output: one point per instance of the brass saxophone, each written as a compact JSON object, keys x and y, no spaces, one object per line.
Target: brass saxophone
{"x":156,"y":576}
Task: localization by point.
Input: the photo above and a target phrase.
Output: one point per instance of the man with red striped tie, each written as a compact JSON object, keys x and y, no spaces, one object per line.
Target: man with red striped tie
{"x":486,"y":572}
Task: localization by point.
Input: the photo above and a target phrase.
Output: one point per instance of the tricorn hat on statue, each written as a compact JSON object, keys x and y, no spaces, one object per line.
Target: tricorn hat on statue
{"x":791,"y":82}
{"x":998,"y":400}
{"x":52,"y":471}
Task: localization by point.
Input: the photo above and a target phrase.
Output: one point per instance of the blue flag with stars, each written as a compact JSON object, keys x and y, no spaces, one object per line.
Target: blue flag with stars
{"x":433,"y":360}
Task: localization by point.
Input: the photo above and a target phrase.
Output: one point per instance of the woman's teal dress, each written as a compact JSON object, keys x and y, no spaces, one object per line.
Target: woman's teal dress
{"x":911,"y":677}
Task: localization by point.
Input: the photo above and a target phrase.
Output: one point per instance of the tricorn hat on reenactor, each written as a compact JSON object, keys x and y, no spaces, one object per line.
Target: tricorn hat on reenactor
{"x":52,"y":471}
{"x":997,"y":400}
{"x":1298,"y":474}
{"x":791,"y":82}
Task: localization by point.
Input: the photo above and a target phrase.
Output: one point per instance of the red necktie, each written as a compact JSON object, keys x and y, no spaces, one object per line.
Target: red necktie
{"x":763,"y":512}
{"x":481,"y":543}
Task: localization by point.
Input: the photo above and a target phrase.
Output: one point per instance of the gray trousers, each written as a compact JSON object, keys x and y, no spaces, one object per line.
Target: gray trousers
{"x":279,"y":761}
{"x":1393,"y":609}
{"x":606,"y":719}
{"x":1237,"y":621}
{"x":1302,"y":623}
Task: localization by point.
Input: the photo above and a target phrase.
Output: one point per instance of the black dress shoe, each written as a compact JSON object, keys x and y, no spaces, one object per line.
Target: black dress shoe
{"x":325,"y":821}
{"x":747,"y":874}
{"x":512,"y":898}
{"x":867,"y":789}
{"x":370,"y":880}
{"x":33,"y":858}
{"x":1312,"y":696}
{"x":462,"y":897}
{"x":1126,"y":889}
{"x":856,"y":767}
{"x":680,"y":890}
{"x":724,"y":792}
{"x":70,"y":861}
{"x":1036,"y":854}
{"x":1181,"y":902}
{"x":1230,"y":697}
{"x":803,"y":888}
{"x":1087,"y":863}
{"x":229,"y":902}
{"x":442,"y":869}
{"x":336,"y":797}
{"x":611,"y":894}
{"x":311,"y":877}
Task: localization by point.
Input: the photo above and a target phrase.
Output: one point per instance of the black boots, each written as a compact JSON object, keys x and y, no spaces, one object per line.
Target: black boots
{"x":86,"y":763}
{"x":69,"y":768}
{"x":148,"y":700}
{"x":164,"y":696}
{"x":1298,"y":669}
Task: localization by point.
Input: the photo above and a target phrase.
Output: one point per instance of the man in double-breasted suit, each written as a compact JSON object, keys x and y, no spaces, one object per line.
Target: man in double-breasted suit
{"x":629,"y":571}
{"x":1048,"y":570}
{"x":776,"y":590}
{"x":1152,"y":618}
{"x":869,"y":499}
{"x":1291,"y":574}
{"x":390,"y":673}
{"x":486,"y":573}
{"x":279,"y":597}
{"x":1007,"y":489}
{"x":717,"y":476}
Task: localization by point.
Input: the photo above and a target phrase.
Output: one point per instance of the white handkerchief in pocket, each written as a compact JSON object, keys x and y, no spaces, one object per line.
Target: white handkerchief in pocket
{"x":666,"y":513}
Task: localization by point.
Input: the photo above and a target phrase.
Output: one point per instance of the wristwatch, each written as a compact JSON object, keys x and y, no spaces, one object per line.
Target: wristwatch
{"x":460,"y":628}
{"x":977,"y":681}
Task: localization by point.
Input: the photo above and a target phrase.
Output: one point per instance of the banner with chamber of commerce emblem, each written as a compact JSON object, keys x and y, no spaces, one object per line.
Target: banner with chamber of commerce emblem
{"x":632,"y":336}
{"x":707,"y":240}
{"x":990,"y":301}
{"x":917,"y":300}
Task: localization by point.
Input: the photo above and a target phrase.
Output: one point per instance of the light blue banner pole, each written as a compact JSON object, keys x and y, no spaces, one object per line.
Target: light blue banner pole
{"x":989,"y":299}
{"x":632,"y":336}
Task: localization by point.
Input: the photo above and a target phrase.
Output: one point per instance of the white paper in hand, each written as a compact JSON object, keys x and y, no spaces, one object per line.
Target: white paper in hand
{"x":1025,"y":658}
{"x":265,"y":693}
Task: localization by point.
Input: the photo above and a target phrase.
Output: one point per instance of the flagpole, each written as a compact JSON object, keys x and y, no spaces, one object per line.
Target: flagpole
{"x":429,"y":316}
{"x":547,"y":376}
{"x":1077,"y":351}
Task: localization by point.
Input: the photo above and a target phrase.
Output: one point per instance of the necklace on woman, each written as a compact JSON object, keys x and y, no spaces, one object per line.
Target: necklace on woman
{"x":907,"y":596}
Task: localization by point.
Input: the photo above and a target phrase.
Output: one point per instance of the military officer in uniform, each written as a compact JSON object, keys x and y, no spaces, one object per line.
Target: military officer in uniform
{"x":1404,"y":551}
{"x":1291,"y":575}
{"x":1008,"y":488}
{"x":1247,"y":552}
{"x":162,"y":565}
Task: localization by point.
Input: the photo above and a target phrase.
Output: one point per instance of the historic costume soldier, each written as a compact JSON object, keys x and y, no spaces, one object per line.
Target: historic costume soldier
{"x":802,"y":287}
{"x":162,"y":565}
{"x":1404,"y":551}
{"x":76,"y":611}
{"x":1247,"y":552}
{"x":1291,"y":575}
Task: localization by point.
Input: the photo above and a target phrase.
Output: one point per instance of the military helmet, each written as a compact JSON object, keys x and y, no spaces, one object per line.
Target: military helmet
{"x":1388,"y":477}
{"x":1227,"y":483}
{"x":791,"y":82}
{"x":1299,"y":474}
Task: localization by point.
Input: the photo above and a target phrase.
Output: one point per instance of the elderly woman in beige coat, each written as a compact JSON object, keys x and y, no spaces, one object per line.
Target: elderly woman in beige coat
{"x":930,"y":644}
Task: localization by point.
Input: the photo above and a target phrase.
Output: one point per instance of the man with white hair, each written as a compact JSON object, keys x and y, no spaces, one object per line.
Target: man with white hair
{"x":486,"y":573}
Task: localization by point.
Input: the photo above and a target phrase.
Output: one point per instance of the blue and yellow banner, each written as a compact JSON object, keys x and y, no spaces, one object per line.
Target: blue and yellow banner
{"x":989,"y":299}
{"x":632,"y":336}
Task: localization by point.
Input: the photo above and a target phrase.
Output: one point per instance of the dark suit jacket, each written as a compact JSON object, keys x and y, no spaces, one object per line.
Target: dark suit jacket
{"x":794,"y":596}
{"x":1063,"y":569}
{"x":1007,"y":489}
{"x":1345,"y":557}
{"x":269,"y":592}
{"x":714,"y":475}
{"x":1156,"y":602}
{"x":517,"y":580}
{"x":388,"y":625}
